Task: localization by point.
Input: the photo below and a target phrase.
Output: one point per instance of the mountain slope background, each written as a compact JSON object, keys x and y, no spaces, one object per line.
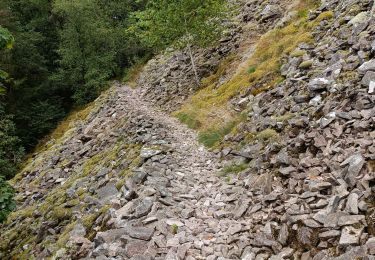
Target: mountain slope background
{"x":286,"y":113}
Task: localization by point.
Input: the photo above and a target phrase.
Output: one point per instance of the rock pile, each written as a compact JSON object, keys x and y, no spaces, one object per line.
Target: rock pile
{"x":313,"y":176}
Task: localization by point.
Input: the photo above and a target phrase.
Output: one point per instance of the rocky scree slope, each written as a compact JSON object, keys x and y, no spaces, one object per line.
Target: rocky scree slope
{"x":131,"y":182}
{"x":307,"y":143}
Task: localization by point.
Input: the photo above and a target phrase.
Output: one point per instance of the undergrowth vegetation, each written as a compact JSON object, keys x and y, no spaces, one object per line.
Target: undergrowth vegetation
{"x":208,"y":111}
{"x":234,"y":168}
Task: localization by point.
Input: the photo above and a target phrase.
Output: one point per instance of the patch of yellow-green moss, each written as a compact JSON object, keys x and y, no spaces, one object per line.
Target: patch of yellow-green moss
{"x":267,"y":134}
{"x":327,"y":15}
{"x":234,"y":168}
{"x":298,"y":53}
{"x":283,"y":118}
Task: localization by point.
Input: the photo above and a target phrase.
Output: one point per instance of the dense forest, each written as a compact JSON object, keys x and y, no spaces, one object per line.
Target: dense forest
{"x":59,"y":55}
{"x":56,"y":55}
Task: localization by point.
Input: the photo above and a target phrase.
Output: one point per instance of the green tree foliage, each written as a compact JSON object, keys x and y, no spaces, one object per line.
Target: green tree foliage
{"x":65,"y":53}
{"x":87,"y":49}
{"x":94,"y":44}
{"x":6,"y":199}
{"x":30,"y":64}
{"x":183,"y":23}
{"x":6,"y":42}
{"x":10,"y":149}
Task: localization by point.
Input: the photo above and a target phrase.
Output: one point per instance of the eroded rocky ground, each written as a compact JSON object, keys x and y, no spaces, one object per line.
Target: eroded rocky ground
{"x":130,"y":182}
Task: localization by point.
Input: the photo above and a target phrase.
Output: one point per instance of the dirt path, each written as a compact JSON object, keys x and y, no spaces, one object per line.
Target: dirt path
{"x":183,"y":210}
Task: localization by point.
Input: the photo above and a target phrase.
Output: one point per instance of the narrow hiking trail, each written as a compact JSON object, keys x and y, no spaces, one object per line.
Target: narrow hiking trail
{"x":178,"y":208}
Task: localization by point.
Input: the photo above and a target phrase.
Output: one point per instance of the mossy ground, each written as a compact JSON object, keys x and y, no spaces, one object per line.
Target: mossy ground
{"x":56,"y":206}
{"x":234,"y":168}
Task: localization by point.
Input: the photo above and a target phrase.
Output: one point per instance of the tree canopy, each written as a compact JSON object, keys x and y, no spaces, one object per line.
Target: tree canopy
{"x":182,"y":23}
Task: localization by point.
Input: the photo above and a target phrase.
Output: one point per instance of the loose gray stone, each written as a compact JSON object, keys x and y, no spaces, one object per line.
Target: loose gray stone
{"x":356,"y":163}
{"x":352,"y":203}
{"x":369,"y":65}
{"x":350,"y":220}
{"x":318,"y":84}
{"x":350,"y":236}
{"x":135,"y":247}
{"x":143,"y":208}
{"x":330,"y":234}
{"x":142,"y":233}
{"x":368,"y":78}
{"x":107,"y":192}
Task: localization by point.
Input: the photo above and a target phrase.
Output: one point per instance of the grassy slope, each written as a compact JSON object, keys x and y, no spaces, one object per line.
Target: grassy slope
{"x":209,"y":111}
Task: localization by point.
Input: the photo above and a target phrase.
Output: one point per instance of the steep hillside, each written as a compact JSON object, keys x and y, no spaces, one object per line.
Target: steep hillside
{"x":286,"y":112}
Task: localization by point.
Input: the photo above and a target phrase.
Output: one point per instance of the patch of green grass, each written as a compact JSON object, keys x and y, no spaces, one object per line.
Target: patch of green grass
{"x":267,"y":134}
{"x":188,"y":119}
{"x":325,"y":16}
{"x":251,"y":70}
{"x":234,"y":168}
{"x":302,"y":13}
{"x":174,"y":229}
{"x":211,"y":137}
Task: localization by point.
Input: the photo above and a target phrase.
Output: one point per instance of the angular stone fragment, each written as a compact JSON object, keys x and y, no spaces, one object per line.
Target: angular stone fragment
{"x":135,"y":247}
{"x":107,"y":192}
{"x":371,"y":87}
{"x":370,"y":244}
{"x":368,"y":78}
{"x":270,"y":11}
{"x":329,"y":234}
{"x":318,"y":84}
{"x":286,"y":253}
{"x":350,"y":236}
{"x":241,"y":209}
{"x":356,"y":163}
{"x":352,"y":203}
{"x":235,"y":228}
{"x":142,"y":233}
{"x":143,"y":208}
{"x":305,"y":236}
{"x":311,"y":223}
{"x":222,"y":214}
{"x":148,"y":152}
{"x":317,"y":186}
{"x":141,"y":257}
{"x":350,"y":220}
{"x":369,"y":65}
{"x":172,"y":222}
{"x":109,"y":236}
{"x":328,"y":119}
{"x":360,"y":18}
{"x":283,"y":234}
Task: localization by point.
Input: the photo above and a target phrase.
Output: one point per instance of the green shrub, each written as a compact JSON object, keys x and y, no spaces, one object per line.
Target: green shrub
{"x":7,"y":203}
{"x":174,"y":229}
{"x":234,"y":168}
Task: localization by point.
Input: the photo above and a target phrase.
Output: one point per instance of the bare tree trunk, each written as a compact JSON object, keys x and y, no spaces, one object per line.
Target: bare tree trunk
{"x":192,"y":57}
{"x":193,"y":65}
